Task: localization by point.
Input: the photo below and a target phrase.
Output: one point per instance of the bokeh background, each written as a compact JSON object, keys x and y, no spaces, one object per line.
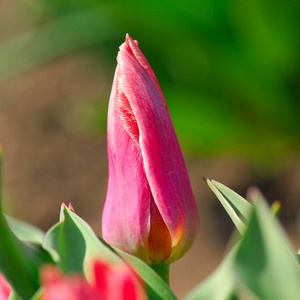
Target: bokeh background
{"x":230,"y":73}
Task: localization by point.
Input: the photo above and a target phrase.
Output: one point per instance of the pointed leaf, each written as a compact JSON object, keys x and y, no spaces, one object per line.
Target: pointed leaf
{"x":238,"y":208}
{"x":18,"y":263}
{"x":73,"y":244}
{"x":265,"y":264}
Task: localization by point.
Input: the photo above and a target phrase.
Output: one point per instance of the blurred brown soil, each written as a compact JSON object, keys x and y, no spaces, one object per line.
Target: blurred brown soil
{"x":46,"y":163}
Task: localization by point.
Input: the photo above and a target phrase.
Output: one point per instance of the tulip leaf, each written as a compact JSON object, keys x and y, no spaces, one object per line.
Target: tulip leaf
{"x":238,"y":208}
{"x":25,"y":231}
{"x":298,"y":256}
{"x":19,"y":261}
{"x":260,"y":265}
{"x":1,"y":180}
{"x":14,"y":296}
{"x":155,"y":285}
{"x":73,"y":244}
{"x":38,"y":294}
{"x":264,"y":263}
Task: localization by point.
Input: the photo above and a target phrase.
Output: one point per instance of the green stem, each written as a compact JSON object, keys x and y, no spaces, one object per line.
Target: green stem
{"x":163,"y":271}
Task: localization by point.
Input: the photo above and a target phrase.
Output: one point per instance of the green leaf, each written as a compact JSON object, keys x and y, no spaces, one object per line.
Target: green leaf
{"x":14,"y":296}
{"x":298,"y":256}
{"x":25,"y":231}
{"x":155,"y":285}
{"x":238,"y":208}
{"x":260,"y":265}
{"x":219,"y":285}
{"x":264,"y":263}
{"x":74,"y":244}
{"x":38,"y":294}
{"x":276,"y":208}
{"x":1,"y":152}
{"x":18,"y":263}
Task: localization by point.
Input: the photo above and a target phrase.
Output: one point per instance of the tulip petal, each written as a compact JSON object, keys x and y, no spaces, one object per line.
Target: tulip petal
{"x":5,"y":288}
{"x":162,"y":158}
{"x":126,"y":215}
{"x":132,"y":46}
{"x":150,"y":210}
{"x":159,"y":241}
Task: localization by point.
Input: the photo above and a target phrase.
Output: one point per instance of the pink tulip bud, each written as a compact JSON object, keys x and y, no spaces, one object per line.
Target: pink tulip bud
{"x":58,"y":287}
{"x":150,"y":210}
{"x":117,"y":282}
{"x":5,"y":288}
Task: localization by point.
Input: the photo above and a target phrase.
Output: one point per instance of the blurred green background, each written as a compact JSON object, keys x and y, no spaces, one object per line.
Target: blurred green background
{"x":229,"y":69}
{"x":230,"y":73}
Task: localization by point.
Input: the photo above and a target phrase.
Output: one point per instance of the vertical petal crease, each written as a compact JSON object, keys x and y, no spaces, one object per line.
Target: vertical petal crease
{"x":127,"y":117}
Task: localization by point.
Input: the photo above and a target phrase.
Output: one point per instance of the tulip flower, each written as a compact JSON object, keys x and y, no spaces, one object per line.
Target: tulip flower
{"x":150,"y":210}
{"x":5,"y":288}
{"x":117,"y":282}
{"x":58,"y":287}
